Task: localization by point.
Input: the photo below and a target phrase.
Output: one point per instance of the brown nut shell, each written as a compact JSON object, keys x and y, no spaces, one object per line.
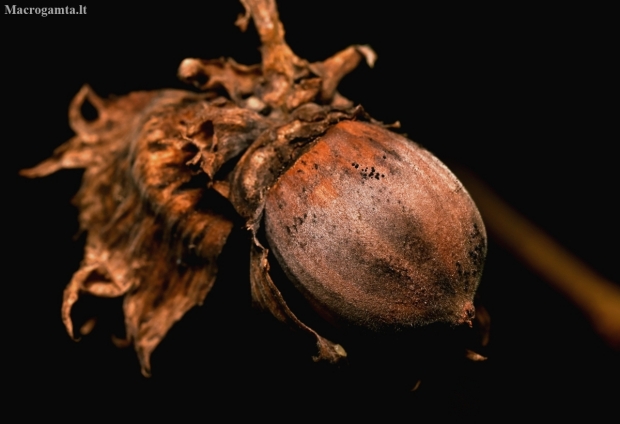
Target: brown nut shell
{"x":376,"y":232}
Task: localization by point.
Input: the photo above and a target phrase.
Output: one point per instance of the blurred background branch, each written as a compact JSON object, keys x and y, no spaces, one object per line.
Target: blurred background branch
{"x":597,"y":297}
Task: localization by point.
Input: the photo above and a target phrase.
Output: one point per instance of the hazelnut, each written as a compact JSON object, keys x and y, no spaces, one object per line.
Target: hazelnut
{"x":376,"y":232}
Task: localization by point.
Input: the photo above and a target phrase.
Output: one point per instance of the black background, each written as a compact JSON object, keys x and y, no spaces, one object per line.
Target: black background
{"x":522,"y":97}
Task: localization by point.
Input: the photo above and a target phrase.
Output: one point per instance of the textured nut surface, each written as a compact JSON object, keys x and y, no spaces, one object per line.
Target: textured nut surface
{"x":376,"y":232}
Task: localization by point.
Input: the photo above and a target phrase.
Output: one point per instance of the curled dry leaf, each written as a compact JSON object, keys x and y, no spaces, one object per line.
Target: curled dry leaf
{"x":155,"y":218}
{"x":169,"y":172}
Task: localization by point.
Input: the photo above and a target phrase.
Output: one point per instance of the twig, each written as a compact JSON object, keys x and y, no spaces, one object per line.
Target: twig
{"x":279,"y":61}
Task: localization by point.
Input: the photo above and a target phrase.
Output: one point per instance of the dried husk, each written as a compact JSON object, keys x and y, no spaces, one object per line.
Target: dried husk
{"x":155,"y":213}
{"x":157,"y":194}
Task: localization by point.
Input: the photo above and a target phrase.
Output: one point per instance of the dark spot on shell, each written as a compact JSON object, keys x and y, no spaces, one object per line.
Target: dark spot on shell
{"x":444,"y":283}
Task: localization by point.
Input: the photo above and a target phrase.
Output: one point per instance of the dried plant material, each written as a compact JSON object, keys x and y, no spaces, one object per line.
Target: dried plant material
{"x":238,"y":80}
{"x":473,"y":356}
{"x":267,"y":296}
{"x":169,"y":172}
{"x":155,"y":229}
